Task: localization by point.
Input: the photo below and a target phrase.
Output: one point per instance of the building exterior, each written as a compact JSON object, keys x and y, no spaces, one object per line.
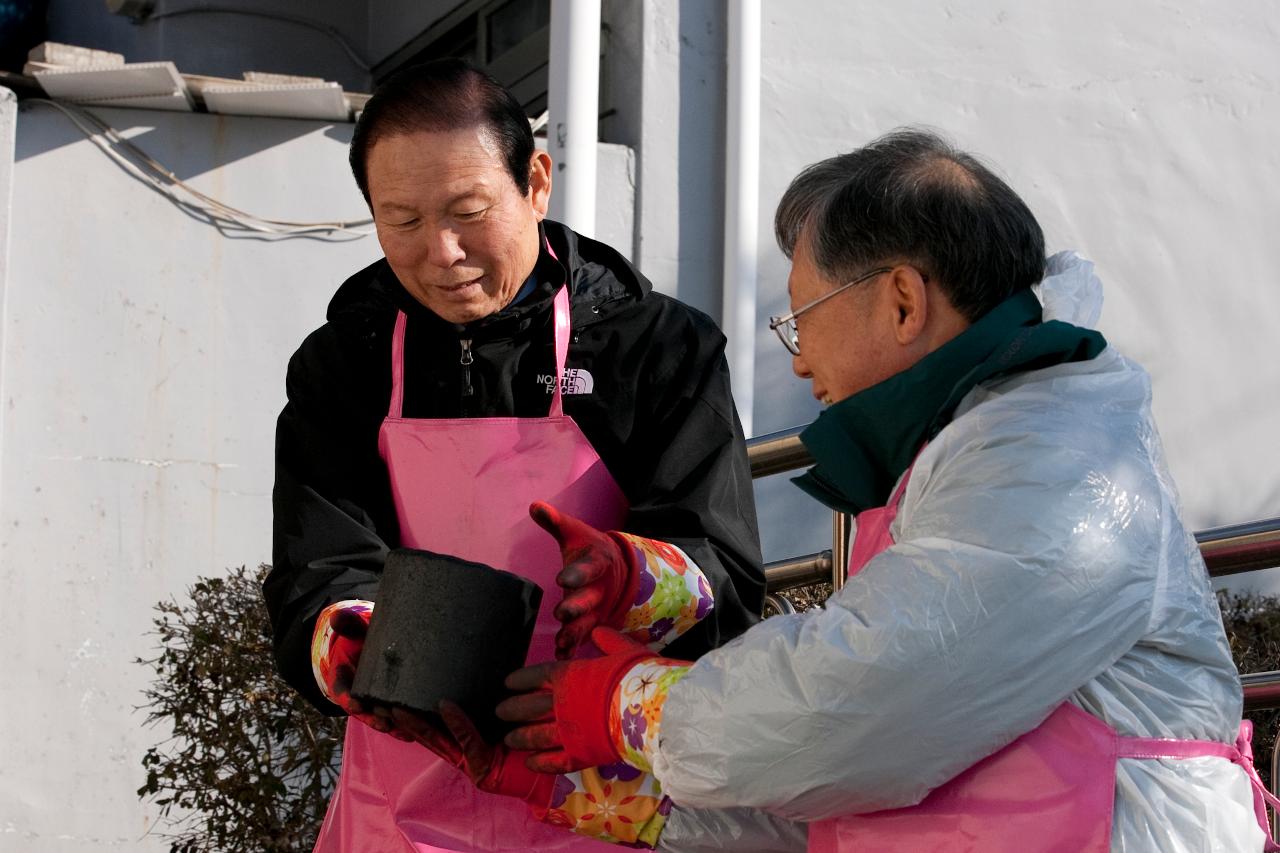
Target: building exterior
{"x":142,"y":351}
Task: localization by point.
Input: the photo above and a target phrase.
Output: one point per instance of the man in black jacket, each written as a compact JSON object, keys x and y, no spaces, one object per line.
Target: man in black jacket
{"x":458,"y":193}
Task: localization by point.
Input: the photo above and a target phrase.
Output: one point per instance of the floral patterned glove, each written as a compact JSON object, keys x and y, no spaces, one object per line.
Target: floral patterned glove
{"x":577,"y":714}
{"x":649,"y":589}
{"x":671,"y":594}
{"x":599,"y":709}
{"x":638,"y":705}
{"x":336,"y":644}
{"x":616,"y":804}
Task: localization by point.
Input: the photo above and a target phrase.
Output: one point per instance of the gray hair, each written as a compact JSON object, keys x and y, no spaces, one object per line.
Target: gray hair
{"x":910,"y":196}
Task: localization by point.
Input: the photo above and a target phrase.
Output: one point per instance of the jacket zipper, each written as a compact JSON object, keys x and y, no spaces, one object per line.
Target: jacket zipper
{"x":466,"y":361}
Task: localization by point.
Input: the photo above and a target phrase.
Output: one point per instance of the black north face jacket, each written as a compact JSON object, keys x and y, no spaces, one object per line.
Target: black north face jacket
{"x":651,"y":393}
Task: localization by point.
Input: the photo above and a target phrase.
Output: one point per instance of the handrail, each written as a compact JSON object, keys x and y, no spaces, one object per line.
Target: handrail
{"x":798,"y":571}
{"x":1223,"y":555}
{"x":1241,"y":547}
{"x":1261,"y":690}
{"x":777,"y":452}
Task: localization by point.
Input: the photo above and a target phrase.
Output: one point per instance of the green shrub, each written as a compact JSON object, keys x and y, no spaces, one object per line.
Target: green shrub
{"x":1253,"y":629}
{"x":247,"y":765}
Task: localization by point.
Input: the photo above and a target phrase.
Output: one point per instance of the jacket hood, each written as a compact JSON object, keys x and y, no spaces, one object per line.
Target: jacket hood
{"x":1071,"y":291}
{"x":602,"y":280}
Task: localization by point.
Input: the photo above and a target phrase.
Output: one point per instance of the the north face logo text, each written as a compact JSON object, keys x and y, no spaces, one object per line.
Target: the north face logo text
{"x":576,"y":380}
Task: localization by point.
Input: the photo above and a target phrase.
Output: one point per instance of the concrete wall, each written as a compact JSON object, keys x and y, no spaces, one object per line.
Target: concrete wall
{"x":142,"y":359}
{"x":1142,"y":134}
{"x":143,"y":366}
{"x":665,"y":78}
{"x":8,"y":128}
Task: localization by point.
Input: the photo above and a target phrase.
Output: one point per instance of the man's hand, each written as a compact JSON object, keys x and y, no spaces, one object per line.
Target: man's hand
{"x":564,"y":706}
{"x":493,"y":768}
{"x":598,"y":580}
{"x":335,"y":654}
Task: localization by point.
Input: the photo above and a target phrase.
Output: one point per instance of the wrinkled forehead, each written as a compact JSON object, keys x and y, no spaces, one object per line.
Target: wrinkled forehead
{"x":436,"y":165}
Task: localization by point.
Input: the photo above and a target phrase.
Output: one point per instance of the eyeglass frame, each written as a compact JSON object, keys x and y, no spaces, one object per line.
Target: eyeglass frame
{"x":785,"y":326}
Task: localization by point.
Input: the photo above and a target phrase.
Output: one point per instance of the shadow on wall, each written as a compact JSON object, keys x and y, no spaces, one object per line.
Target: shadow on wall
{"x":700,"y":154}
{"x":205,"y":142}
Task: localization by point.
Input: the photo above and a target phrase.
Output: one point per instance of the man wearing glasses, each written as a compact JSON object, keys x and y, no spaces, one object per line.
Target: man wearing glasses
{"x":1027,"y":655}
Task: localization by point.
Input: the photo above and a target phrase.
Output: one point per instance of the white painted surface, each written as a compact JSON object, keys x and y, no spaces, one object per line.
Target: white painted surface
{"x":615,"y":196}
{"x":671,"y":105}
{"x":742,"y":202}
{"x":1141,"y":133}
{"x":573,"y":99}
{"x":141,"y":371}
{"x":8,"y":127}
{"x":143,"y":367}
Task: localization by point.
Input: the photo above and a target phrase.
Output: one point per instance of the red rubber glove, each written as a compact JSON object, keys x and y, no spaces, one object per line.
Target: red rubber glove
{"x":565,"y":706}
{"x":598,"y":578}
{"x":493,"y":768}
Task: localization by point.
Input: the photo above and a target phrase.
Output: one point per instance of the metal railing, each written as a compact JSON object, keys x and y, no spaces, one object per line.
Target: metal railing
{"x":1226,"y":551}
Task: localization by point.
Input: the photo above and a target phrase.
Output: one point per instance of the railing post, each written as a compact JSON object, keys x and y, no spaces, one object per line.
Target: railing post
{"x":841,"y":525}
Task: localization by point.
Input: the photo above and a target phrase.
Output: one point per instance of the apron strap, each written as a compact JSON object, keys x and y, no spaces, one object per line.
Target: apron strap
{"x":562,"y":334}
{"x":1240,"y":754}
{"x":396,"y":409}
{"x":1261,"y":796}
{"x":562,"y":349}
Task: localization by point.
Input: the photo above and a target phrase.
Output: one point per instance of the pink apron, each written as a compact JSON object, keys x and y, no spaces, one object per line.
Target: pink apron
{"x":1051,"y":789}
{"x":463,"y":486}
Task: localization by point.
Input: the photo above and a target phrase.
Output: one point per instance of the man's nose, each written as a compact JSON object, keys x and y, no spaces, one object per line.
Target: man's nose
{"x":801,"y":369}
{"x":445,"y":249}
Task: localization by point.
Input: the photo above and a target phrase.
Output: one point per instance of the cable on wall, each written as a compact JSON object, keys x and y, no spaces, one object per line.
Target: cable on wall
{"x":143,"y":167}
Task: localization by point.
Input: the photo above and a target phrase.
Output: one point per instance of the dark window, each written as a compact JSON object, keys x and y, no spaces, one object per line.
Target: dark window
{"x":511,"y":39}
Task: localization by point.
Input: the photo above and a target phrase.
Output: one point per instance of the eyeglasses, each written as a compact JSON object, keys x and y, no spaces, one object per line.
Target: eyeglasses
{"x":785,"y":326}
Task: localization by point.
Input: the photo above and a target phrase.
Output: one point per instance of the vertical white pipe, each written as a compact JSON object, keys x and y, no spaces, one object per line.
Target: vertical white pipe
{"x":742,"y":200}
{"x":8,"y":137}
{"x":573,"y":98}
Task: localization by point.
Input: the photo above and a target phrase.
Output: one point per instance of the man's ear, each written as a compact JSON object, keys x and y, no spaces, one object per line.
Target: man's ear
{"x":910,"y":300}
{"x":540,"y":183}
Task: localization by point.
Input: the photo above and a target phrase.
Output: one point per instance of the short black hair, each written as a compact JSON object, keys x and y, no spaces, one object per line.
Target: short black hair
{"x":443,"y":95}
{"x":912,"y":196}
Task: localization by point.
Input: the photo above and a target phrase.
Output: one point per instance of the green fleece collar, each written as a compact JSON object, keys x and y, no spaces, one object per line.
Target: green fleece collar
{"x":863,"y":444}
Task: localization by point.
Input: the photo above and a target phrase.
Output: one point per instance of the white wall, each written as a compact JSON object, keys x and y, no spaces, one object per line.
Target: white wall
{"x":1141,"y":133}
{"x":664,"y":75}
{"x":143,"y":366}
{"x":142,"y":360}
